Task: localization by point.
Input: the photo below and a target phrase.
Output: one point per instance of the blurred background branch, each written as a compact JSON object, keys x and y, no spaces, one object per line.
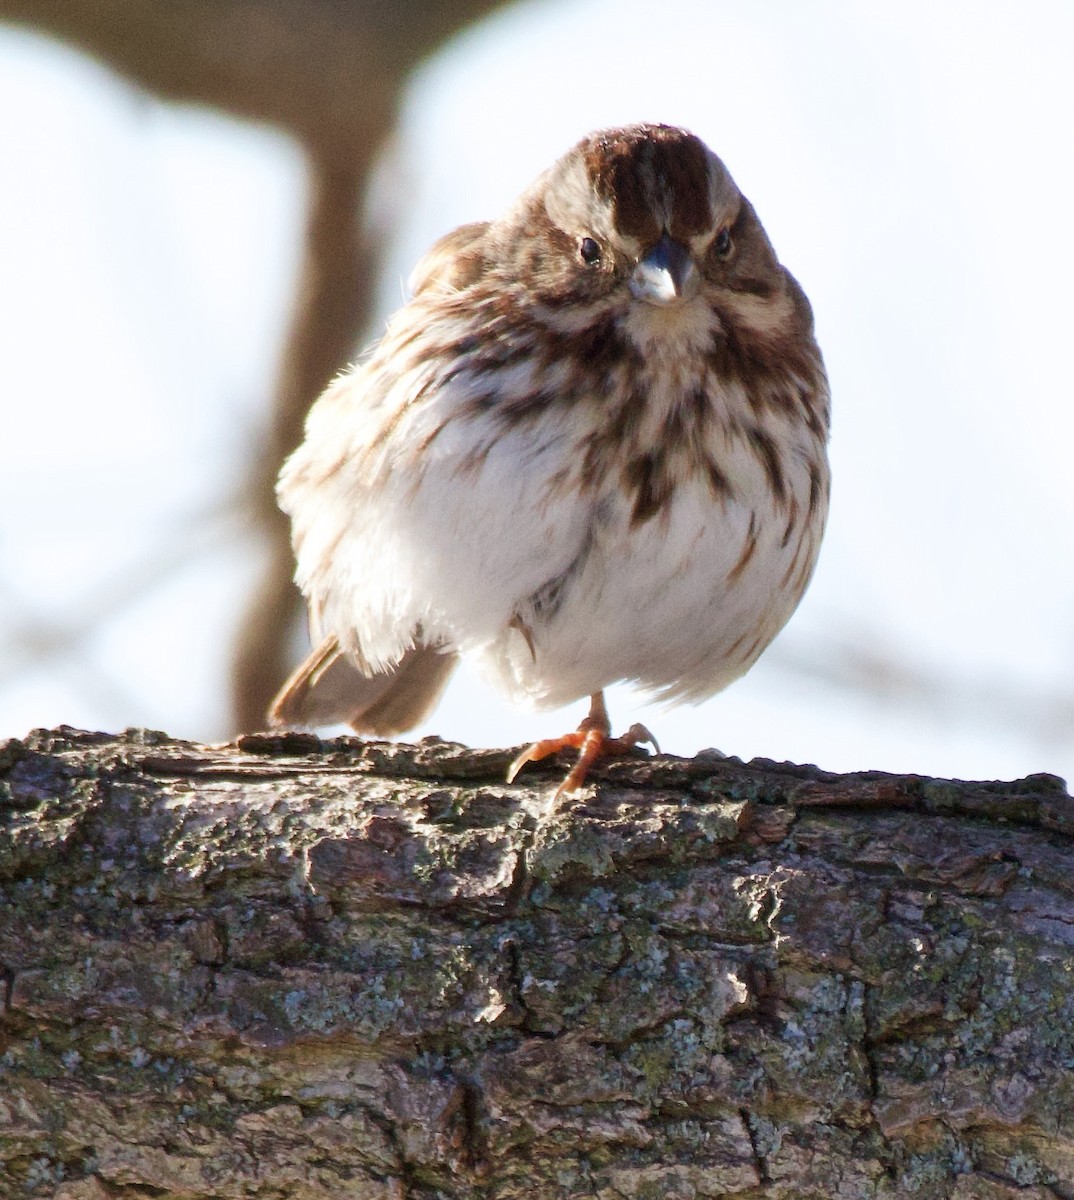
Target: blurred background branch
{"x":327,"y":71}
{"x":330,"y":73}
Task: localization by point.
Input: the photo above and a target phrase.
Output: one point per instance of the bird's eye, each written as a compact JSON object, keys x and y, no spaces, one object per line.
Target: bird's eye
{"x":589,"y":251}
{"x":723,"y":243}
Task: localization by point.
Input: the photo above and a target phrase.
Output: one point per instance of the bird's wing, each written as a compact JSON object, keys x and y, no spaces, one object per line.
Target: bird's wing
{"x":454,"y":262}
{"x":415,"y":504}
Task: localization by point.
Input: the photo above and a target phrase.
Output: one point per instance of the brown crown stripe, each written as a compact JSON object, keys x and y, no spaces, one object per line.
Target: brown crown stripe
{"x":638,"y":168}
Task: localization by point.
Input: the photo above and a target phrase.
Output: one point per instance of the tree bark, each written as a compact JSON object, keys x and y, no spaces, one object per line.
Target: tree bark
{"x":307,"y":969}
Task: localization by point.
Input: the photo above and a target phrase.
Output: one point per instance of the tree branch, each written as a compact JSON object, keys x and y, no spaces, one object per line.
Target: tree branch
{"x":312,"y":969}
{"x":327,"y":71}
{"x":331,"y":305}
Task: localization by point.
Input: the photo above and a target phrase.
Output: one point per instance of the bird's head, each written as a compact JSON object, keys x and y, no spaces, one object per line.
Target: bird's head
{"x":645,"y":214}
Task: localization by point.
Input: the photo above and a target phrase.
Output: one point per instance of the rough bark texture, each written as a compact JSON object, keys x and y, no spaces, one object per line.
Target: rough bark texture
{"x":310,"y":969}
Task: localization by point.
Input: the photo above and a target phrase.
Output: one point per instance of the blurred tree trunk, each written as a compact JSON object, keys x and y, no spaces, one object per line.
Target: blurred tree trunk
{"x":331,"y":308}
{"x":331,"y":73}
{"x":314,"y":970}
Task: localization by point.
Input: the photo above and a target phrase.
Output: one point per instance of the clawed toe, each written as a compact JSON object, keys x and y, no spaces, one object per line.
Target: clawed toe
{"x":636,"y":735}
{"x":593,"y":742}
{"x":544,"y":749}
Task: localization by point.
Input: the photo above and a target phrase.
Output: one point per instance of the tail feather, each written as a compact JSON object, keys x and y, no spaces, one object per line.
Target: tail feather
{"x":329,"y":688}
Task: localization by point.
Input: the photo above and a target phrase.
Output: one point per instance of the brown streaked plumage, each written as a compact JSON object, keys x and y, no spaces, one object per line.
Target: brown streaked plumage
{"x":591,"y":448}
{"x":749,"y":547}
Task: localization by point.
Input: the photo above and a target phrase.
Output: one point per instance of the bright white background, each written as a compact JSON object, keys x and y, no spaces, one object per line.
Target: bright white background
{"x":911,"y":164}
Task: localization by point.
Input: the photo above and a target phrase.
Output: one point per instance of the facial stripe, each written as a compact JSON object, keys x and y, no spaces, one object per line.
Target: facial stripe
{"x":654,"y":178}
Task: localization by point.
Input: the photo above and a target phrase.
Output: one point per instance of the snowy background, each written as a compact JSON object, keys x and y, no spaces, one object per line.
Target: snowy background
{"x":911,"y":164}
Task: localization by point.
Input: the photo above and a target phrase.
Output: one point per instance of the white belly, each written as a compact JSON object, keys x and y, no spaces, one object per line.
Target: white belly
{"x":676,"y":605}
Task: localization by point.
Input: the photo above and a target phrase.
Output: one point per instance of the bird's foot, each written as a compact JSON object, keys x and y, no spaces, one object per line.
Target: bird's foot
{"x":593,"y":742}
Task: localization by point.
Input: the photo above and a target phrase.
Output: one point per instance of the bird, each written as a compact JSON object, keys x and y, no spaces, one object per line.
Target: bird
{"x":591,"y":448}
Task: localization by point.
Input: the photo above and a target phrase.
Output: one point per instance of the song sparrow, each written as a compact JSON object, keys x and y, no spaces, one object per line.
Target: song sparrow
{"x":591,"y":448}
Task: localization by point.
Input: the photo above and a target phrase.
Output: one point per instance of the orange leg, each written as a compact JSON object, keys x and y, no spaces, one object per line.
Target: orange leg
{"x":593,"y":741}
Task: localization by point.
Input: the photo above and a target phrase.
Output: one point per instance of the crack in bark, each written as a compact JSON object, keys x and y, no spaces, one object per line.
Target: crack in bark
{"x":872,"y":1067}
{"x":868,"y":1049}
{"x":516,"y":982}
{"x":768,"y":909}
{"x":7,"y":988}
{"x":762,"y":984}
{"x":645,"y":1033}
{"x":518,"y":888}
{"x":475,"y":1145}
{"x":760,"y":1162}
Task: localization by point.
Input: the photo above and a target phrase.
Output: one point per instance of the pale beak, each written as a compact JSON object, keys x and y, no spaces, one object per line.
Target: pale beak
{"x":666,"y":275}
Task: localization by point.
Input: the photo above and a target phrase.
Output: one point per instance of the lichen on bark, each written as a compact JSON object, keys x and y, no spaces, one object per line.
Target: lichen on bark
{"x":309,"y":969}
